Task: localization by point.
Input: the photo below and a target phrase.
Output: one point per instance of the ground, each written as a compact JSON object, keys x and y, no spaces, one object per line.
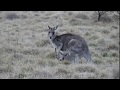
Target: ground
{"x":26,"y":53}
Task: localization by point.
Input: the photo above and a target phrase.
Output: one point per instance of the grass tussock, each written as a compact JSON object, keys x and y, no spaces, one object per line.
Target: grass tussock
{"x":31,"y":52}
{"x":52,"y":63}
{"x":66,"y":62}
{"x":41,"y":75}
{"x":82,"y":16}
{"x":75,"y":22}
{"x":51,"y":55}
{"x":113,"y":47}
{"x":63,"y":73}
{"x":27,"y":69}
{"x":84,"y":75}
{"x":85,"y":69}
{"x":6,"y":69}
{"x":20,"y":76}
{"x":42,"y":43}
{"x":42,"y":63}
{"x":98,"y":61}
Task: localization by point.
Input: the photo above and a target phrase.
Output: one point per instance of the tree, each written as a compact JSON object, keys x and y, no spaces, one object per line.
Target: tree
{"x":100,"y":13}
{"x":117,"y":15}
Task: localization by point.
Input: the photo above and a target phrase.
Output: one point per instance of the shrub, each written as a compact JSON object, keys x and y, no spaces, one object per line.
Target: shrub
{"x":12,"y":16}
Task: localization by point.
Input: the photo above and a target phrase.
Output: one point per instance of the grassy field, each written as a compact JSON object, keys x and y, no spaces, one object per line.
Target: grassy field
{"x":26,"y":53}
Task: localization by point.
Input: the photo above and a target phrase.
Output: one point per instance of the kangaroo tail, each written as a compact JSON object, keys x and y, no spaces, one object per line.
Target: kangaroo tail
{"x":87,"y":56}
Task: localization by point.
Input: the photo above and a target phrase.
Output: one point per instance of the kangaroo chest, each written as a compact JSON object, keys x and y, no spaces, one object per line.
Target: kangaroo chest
{"x":61,"y":41}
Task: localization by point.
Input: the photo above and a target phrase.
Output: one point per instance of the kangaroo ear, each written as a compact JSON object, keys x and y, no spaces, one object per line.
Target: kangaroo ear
{"x":55,"y":27}
{"x":49,"y":27}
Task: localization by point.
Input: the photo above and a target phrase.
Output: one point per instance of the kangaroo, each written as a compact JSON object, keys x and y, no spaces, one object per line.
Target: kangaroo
{"x":68,"y":44}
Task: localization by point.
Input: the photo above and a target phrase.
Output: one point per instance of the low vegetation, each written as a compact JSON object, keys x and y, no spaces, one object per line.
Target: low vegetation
{"x":26,"y":53}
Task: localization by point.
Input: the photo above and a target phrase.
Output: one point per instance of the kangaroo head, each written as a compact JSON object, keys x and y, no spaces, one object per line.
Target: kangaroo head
{"x":51,"y":32}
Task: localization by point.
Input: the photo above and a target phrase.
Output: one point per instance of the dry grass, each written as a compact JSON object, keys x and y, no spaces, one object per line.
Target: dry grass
{"x":26,"y":53}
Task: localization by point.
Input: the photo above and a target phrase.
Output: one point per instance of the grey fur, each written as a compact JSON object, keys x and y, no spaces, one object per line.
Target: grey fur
{"x":69,"y":44}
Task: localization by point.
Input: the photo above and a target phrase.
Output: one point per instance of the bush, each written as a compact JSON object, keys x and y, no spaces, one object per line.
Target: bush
{"x":12,"y":16}
{"x":102,"y":16}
